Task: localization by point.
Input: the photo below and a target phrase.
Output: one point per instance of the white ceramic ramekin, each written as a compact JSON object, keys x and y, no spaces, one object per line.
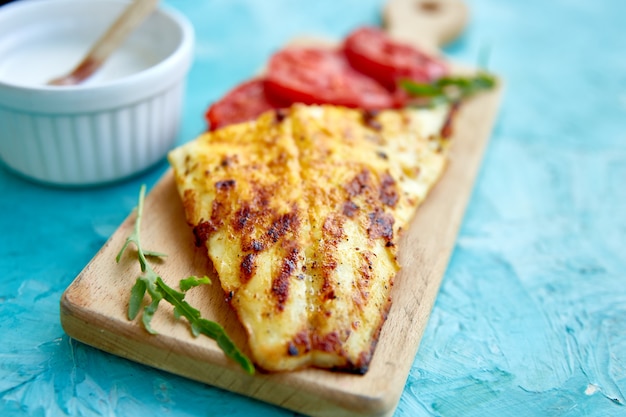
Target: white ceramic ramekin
{"x":96,"y":132}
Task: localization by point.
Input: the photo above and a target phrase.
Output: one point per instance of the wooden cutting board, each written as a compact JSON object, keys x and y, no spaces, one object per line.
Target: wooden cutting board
{"x":93,"y":308}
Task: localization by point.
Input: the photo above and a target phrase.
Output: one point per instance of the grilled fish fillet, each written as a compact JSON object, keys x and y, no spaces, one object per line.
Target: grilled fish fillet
{"x":300,"y":212}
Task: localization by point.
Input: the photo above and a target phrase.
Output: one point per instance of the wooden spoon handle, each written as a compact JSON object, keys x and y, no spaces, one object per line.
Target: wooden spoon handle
{"x":429,"y":24}
{"x":132,"y":16}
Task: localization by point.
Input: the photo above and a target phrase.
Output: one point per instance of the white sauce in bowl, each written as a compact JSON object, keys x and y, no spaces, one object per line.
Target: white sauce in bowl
{"x":38,"y":61}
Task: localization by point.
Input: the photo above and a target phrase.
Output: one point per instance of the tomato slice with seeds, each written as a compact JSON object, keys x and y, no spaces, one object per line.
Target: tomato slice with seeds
{"x":374,"y":53}
{"x":322,"y":76}
{"x":245,"y":102}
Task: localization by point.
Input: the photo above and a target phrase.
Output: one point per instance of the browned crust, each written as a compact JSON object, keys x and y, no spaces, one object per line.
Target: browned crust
{"x":368,"y":198}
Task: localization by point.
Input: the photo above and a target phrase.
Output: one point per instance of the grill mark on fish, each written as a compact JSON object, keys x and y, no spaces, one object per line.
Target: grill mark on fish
{"x":333,"y":226}
{"x":329,"y":343}
{"x":359,"y":184}
{"x":202,"y":231}
{"x":242,"y":217}
{"x":280,"y":115}
{"x":369,"y":120}
{"x":388,"y":192}
{"x":218,"y":212}
{"x":253,"y":245}
{"x":292,"y":350}
{"x":333,"y":233}
{"x":225,"y":185}
{"x":282,"y":225}
{"x":349,"y":209}
{"x":280,"y":284}
{"x":248,"y":267}
{"x":300,"y":344}
{"x":381,"y":225}
{"x":328,"y":267}
{"x":361,"y":293}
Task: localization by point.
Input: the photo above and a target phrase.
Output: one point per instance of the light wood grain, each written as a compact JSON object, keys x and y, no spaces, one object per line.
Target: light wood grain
{"x":93,"y":308}
{"x":430,"y":24}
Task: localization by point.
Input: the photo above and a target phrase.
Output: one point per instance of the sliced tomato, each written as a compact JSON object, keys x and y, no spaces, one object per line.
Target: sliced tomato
{"x":243,"y":103}
{"x":373,"y":52}
{"x":322,"y":76}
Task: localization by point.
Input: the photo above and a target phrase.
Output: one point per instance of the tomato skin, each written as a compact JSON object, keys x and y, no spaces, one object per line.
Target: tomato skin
{"x":245,"y":102}
{"x":322,"y":76}
{"x":372,"y":52}
{"x":363,"y":73}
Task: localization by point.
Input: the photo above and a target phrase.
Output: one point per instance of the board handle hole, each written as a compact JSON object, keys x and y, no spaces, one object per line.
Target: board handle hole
{"x":429,"y":6}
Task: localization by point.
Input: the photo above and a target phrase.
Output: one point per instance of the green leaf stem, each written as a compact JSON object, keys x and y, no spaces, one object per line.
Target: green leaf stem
{"x":152,"y":284}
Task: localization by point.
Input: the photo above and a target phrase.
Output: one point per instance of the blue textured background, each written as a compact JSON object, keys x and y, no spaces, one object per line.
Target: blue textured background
{"x":531,"y":317}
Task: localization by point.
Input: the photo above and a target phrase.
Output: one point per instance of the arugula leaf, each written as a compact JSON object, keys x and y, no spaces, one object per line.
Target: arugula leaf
{"x":450,"y":89}
{"x":152,"y":284}
{"x":136,"y":298}
{"x":135,"y":236}
{"x":203,"y":326}
{"x":190,"y":282}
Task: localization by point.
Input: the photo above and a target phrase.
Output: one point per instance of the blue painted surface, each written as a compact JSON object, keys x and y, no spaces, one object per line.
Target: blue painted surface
{"x":531,"y":315}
